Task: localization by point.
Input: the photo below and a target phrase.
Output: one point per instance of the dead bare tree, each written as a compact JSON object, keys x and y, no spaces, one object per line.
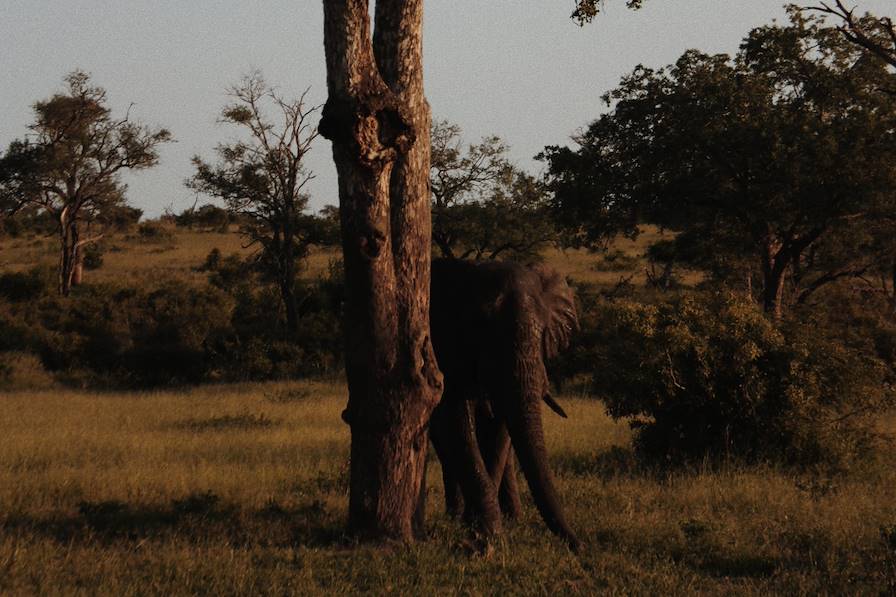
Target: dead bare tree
{"x":263,"y":179}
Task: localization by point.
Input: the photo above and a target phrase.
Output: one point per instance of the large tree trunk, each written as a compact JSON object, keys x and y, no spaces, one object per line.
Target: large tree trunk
{"x":378,"y":120}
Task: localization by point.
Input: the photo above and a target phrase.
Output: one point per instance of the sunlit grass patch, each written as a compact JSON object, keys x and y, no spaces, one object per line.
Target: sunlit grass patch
{"x":227,"y":422}
{"x":105,"y":492}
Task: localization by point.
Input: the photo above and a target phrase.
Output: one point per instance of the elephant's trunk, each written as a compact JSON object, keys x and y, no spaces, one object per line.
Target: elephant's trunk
{"x":527,"y":434}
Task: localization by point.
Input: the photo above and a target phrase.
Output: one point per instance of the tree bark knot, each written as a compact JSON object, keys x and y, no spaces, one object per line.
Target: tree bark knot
{"x":375,"y":125}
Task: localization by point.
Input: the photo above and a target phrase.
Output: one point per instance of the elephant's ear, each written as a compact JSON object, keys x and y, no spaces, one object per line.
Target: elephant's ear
{"x":558,"y":308}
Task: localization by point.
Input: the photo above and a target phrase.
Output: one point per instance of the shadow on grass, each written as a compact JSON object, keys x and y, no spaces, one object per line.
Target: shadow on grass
{"x":197,"y":518}
{"x":731,"y":566}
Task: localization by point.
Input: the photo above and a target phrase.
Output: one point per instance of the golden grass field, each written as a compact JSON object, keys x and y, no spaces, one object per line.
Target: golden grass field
{"x":128,"y":258}
{"x":241,"y":490}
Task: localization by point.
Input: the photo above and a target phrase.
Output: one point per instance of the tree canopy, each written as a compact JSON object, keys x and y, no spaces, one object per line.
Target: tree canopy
{"x":765,"y":161}
{"x":483,"y":207}
{"x":877,"y":35}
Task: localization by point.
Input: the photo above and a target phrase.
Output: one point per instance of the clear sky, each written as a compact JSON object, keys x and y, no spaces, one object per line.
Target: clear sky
{"x":518,"y":69}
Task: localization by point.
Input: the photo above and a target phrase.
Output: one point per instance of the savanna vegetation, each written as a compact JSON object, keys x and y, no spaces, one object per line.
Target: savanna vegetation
{"x":173,"y":387}
{"x":241,"y":489}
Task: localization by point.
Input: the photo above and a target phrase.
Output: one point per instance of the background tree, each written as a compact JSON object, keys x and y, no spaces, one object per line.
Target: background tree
{"x":69,"y":166}
{"x":262,"y":178}
{"x":761,"y":162}
{"x":586,"y":10}
{"x":876,"y":35}
{"x":482,"y":206}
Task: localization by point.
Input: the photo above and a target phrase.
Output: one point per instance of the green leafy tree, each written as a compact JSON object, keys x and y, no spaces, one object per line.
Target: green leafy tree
{"x":767,"y":163}
{"x":262,"y":179}
{"x":586,"y":10}
{"x":711,"y":376}
{"x":482,"y":206}
{"x":70,"y":165}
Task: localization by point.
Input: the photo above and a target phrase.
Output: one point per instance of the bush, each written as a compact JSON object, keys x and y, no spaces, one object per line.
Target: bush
{"x":206,"y":217}
{"x":231,"y":329}
{"x":617,"y":261}
{"x":93,"y":256}
{"x":106,"y":335}
{"x":711,"y":377}
{"x":27,"y":285}
{"x":154,"y":231}
{"x":23,"y":371}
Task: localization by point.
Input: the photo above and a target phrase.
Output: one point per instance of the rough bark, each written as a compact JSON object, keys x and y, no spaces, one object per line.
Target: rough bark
{"x":893,"y":290}
{"x":68,"y":239}
{"x":378,"y":121}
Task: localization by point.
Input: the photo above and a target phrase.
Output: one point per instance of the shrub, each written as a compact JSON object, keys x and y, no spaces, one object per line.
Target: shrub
{"x":93,"y":256}
{"x":617,"y":261}
{"x":711,"y":377}
{"x":206,"y":217}
{"x":23,"y":371}
{"x":155,"y":231}
{"x":27,"y":285}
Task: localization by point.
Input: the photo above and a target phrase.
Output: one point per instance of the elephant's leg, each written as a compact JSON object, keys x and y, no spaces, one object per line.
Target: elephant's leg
{"x":494,"y":441}
{"x":480,"y":493}
{"x":525,"y":382}
{"x":509,"y":493}
{"x":447,"y":450}
{"x":527,"y":433}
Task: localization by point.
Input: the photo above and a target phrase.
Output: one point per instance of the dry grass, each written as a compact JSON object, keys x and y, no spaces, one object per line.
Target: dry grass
{"x":130,"y":259}
{"x":242,"y":490}
{"x":624,"y":261}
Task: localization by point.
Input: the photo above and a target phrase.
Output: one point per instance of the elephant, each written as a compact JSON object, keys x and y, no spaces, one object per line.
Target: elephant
{"x":493,"y":325}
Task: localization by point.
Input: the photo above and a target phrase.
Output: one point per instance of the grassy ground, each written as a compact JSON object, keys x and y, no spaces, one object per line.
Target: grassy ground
{"x":242,"y":490}
{"x":127,"y":258}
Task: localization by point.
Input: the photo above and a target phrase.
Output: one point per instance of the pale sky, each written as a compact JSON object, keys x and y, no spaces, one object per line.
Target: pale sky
{"x":518,"y":69}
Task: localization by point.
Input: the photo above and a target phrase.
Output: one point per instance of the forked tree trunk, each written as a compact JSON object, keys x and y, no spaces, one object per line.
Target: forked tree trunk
{"x":378,"y":121}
